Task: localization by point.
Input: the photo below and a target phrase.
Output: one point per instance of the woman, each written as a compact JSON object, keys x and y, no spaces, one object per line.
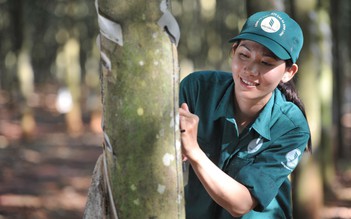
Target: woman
{"x":244,"y":133}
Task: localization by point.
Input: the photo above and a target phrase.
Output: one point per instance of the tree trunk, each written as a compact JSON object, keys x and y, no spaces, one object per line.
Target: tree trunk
{"x":72,"y":74}
{"x":307,"y":179}
{"x":139,"y":85}
{"x":25,"y":72}
{"x":327,"y":145}
{"x":342,"y":51}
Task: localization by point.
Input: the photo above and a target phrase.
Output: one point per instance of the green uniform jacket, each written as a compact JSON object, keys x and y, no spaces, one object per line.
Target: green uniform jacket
{"x":261,"y":157}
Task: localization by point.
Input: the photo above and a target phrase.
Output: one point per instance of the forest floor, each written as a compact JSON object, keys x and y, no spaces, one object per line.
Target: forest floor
{"x":47,"y":175}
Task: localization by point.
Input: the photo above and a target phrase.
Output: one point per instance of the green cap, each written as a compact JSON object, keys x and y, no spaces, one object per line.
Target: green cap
{"x":276,"y":31}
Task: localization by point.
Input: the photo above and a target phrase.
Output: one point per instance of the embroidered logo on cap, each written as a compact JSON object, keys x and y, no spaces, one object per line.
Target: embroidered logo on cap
{"x":292,"y":159}
{"x":270,"y":24}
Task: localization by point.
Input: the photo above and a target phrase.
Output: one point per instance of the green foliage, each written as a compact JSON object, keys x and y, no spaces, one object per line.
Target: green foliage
{"x":44,"y":27}
{"x":206,"y":27}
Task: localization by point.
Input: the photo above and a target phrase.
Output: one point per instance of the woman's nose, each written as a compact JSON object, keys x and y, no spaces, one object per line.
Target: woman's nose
{"x":252,"y":69}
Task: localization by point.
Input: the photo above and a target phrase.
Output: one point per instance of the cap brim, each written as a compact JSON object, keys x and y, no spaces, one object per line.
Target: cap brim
{"x":274,"y":47}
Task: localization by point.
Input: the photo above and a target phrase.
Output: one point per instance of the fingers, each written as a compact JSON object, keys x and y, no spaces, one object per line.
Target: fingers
{"x":185,"y":107}
{"x":184,"y":111}
{"x":188,"y":124}
{"x":187,"y":120}
{"x":182,"y":114}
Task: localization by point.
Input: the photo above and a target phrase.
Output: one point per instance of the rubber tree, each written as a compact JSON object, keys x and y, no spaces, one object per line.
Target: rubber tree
{"x":24,"y":70}
{"x":139,"y":174}
{"x":314,"y":67}
{"x":69,"y":65}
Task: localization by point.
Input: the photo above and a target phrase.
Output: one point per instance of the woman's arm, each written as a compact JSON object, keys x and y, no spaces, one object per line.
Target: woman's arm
{"x":224,"y":190}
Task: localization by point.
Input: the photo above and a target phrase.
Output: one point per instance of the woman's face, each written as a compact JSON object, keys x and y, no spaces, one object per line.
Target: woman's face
{"x":257,"y":71}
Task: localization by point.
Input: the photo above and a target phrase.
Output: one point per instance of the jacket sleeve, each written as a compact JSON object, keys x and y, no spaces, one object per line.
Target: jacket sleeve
{"x":188,"y":90}
{"x":264,"y":174}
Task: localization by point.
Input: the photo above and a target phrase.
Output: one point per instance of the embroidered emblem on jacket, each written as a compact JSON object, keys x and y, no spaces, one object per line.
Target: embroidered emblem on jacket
{"x":254,"y":145}
{"x":292,"y":159}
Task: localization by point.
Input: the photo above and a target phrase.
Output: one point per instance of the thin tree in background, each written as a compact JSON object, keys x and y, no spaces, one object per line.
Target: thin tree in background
{"x":315,"y":68}
{"x":25,"y":72}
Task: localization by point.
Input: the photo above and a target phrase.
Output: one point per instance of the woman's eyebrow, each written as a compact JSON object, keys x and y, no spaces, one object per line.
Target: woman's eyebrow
{"x":245,"y":46}
{"x":267,"y":53}
{"x":271,"y":55}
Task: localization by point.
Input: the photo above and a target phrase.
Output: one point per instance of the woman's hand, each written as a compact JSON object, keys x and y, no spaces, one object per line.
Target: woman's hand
{"x":188,"y":123}
{"x":227,"y":192}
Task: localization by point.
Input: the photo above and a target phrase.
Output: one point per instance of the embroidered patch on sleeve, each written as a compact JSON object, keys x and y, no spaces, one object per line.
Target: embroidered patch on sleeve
{"x":292,"y":159}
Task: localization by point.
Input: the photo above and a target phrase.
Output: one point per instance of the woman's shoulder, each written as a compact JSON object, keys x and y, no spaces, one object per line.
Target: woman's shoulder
{"x":205,"y":87}
{"x":290,"y":113}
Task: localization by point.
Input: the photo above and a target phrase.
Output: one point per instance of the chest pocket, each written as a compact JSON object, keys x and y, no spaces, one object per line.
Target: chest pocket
{"x":236,"y":164}
{"x":211,"y":148}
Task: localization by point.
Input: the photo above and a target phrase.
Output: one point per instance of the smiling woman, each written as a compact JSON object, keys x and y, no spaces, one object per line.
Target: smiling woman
{"x":244,"y":131}
{"x":257,"y":71}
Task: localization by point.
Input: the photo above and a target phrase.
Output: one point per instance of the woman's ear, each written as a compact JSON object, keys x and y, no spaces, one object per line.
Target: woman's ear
{"x":289,"y":73}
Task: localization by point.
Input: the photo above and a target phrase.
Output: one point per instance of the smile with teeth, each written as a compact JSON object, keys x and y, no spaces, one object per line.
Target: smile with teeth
{"x":249,"y":83}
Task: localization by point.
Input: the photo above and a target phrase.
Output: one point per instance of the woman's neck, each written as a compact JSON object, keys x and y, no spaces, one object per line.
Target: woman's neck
{"x":246,"y":111}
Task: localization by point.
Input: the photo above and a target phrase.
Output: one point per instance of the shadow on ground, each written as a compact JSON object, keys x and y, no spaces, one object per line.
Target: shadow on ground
{"x":48,"y":177}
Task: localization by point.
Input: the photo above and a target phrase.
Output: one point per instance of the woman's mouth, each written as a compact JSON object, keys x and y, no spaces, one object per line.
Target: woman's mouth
{"x":249,"y":83}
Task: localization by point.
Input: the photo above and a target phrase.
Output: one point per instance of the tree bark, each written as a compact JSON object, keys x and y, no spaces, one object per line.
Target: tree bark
{"x":140,"y":107}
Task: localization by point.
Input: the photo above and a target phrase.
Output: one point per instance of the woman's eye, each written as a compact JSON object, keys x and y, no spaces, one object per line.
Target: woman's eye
{"x":267,"y":63}
{"x":243,"y":55}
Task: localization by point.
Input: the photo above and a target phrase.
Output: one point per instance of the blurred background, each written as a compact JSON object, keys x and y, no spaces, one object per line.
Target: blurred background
{"x":50,"y":102}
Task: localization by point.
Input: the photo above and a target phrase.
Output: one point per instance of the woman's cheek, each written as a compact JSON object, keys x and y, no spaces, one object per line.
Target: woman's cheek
{"x":235,"y":70}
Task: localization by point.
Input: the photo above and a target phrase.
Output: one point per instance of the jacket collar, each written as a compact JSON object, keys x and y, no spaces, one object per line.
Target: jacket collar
{"x":262,"y":124}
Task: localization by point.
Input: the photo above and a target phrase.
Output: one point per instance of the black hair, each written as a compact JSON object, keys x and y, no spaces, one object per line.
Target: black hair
{"x":289,"y":90}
